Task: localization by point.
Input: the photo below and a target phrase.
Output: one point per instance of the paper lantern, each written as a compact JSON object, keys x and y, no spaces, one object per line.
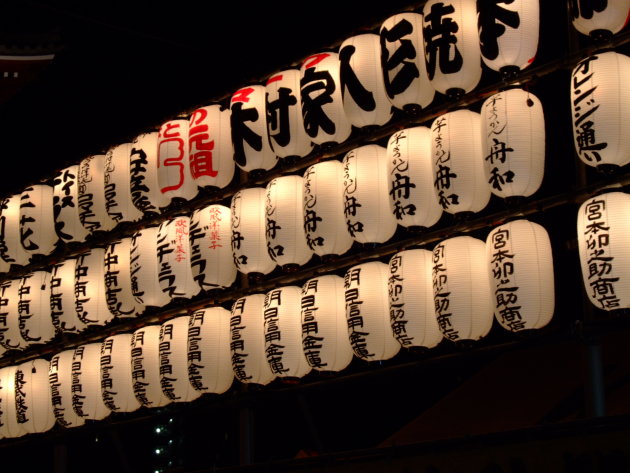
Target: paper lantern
{"x":461,"y":289}
{"x":521,"y":270}
{"x":174,"y":177}
{"x":248,"y":224}
{"x":90,"y":290}
{"x":457,"y":160}
{"x":412,"y":197}
{"x":211,"y":152}
{"x":145,"y":367}
{"x":247,"y":341}
{"x":118,"y":288}
{"x":366,"y":204}
{"x":37,"y":221}
{"x":33,"y":398}
{"x":411,"y":309}
{"x":451,"y":46}
{"x":34,"y":309}
{"x":174,"y":361}
{"x":173,"y":255}
{"x":146,"y":193}
{"x":325,"y":120}
{"x":11,"y":249}
{"x":92,"y":204}
{"x":248,"y":122}
{"x":402,"y":61}
{"x":604,"y":243}
{"x":10,"y":333}
{"x":145,"y":270}
{"x":367,"y":312}
{"x":209,"y":356}
{"x":285,"y":236}
{"x":324,"y":218}
{"x":594,"y":18}
{"x":325,"y":339}
{"x":508,"y":33}
{"x":365,"y":100}
{"x":285,"y":122}
{"x":118,"y":201}
{"x":601,"y":105}
{"x":62,"y":298}
{"x":211,"y":258}
{"x":10,"y":427}
{"x":116,"y":379}
{"x":66,"y":205}
{"x":87,"y":400}
{"x":60,"y":378}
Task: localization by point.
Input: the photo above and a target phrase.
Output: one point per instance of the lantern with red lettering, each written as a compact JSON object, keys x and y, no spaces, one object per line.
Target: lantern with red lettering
{"x":600,"y":103}
{"x":87,"y":400}
{"x":11,"y":335}
{"x":66,"y":205}
{"x":116,"y":380}
{"x":33,"y":401}
{"x":36,"y":323}
{"x":146,"y":193}
{"x":62,"y":297}
{"x":513,"y":142}
{"x":451,"y":46}
{"x":402,"y":61}
{"x":285,"y":123}
{"x":411,"y":309}
{"x":248,"y":121}
{"x":145,"y":366}
{"x":37,"y":220}
{"x":247,"y":341}
{"x":118,"y":285}
{"x":209,"y":356}
{"x":118,"y":201}
{"x":145,"y":269}
{"x":457,"y":160}
{"x":90,"y":290}
{"x":325,"y":120}
{"x":600,"y":19}
{"x":367,"y":312}
{"x":325,"y":339}
{"x":174,"y":176}
{"x":461,"y":289}
{"x":10,"y":427}
{"x":11,"y":249}
{"x":324,"y":219}
{"x":286,"y":240}
{"x":174,"y":360}
{"x":60,"y":378}
{"x":92,"y":204}
{"x":410,"y":182}
{"x":366,"y":204}
{"x":211,"y":153}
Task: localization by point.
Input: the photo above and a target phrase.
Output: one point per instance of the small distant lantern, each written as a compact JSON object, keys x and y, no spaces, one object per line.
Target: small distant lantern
{"x":116,"y":380}
{"x":10,"y":427}
{"x":600,"y":19}
{"x":10,"y":333}
{"x":11,"y":249}
{"x":146,"y":193}
{"x":33,"y":401}
{"x":92,"y":204}
{"x":145,"y":367}
{"x":66,"y":205}
{"x":37,"y":221}
{"x":62,"y":297}
{"x":174,"y":176}
{"x":90,"y":289}
{"x":367,"y":312}
{"x":118,"y":286}
{"x":36,"y":323}
{"x":118,"y":200}
{"x":87,"y":400}
{"x":145,"y":269}
{"x":325,"y":120}
{"x":60,"y":378}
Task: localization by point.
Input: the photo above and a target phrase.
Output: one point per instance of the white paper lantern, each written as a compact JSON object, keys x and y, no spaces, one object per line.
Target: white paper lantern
{"x":451,"y":45}
{"x":60,"y":379}
{"x":66,"y":205}
{"x":174,"y":176}
{"x":367,"y":312}
{"x":173,"y":255}
{"x":62,"y":299}
{"x":607,"y":17}
{"x":247,"y":341}
{"x":33,"y":397}
{"x":36,"y":323}
{"x":600,"y":107}
{"x":285,"y":122}
{"x":92,"y":205}
{"x":211,"y":152}
{"x":325,"y":120}
{"x":412,"y":197}
{"x":146,"y":193}
{"x":461,"y":289}
{"x":145,"y":367}
{"x":411,"y":307}
{"x":248,"y":224}
{"x":118,"y":291}
{"x":457,"y":160}
{"x":325,"y":339}
{"x":513,"y":141}
{"x":11,"y":249}
{"x":89,"y":288}
{"x":145,"y":269}
{"x":209,"y":355}
{"x":118,"y":201}
{"x":248,"y":122}
{"x":9,"y":425}
{"x":174,"y":360}
{"x":37,"y":220}
{"x":285,"y":236}
{"x":87,"y":400}
{"x":508,"y":33}
{"x":116,"y":380}
{"x":10,"y":333}
{"x":604,"y":244}
{"x":324,"y":218}
{"x":402,"y":61}
{"x":366,"y":204}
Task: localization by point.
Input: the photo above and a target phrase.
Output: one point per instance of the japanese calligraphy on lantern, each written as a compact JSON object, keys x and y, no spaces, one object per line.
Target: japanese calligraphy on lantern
{"x":66,"y":205}
{"x":173,"y":166}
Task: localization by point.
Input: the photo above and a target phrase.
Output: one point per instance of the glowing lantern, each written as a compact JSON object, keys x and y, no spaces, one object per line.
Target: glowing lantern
{"x":11,"y":335}
{"x":145,"y":271}
{"x":36,"y":323}
{"x":87,"y":400}
{"x":62,"y":298}
{"x":11,"y":248}
{"x":89,"y":288}
{"x":66,"y":205}
{"x":33,"y":401}
{"x":118,"y":291}
{"x":37,"y":221}
{"x":118,"y":201}
{"x":597,"y":19}
{"x":60,"y":378}
{"x":116,"y":380}
{"x":145,"y":367}
{"x":92,"y":204}
{"x":10,"y":427}
{"x":174,"y":176}
{"x":146,"y":193}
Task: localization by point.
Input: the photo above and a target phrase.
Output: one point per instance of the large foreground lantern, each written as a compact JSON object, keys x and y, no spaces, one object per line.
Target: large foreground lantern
{"x":174,"y":176}
{"x":62,"y":297}
{"x":116,"y":379}
{"x":33,"y":401}
{"x":145,"y":268}
{"x":90,"y":290}
{"x":11,"y":249}
{"x":600,"y":19}
{"x":146,"y":193}
{"x":118,"y":285}
{"x":92,"y":204}
{"x":87,"y":400}
{"x":60,"y":378}
{"x":118,"y":200}
{"x":66,"y":205}
{"x":145,"y":367}
{"x":36,"y":323}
